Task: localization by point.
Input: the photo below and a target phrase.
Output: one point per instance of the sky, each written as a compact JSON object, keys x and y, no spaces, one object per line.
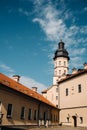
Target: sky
{"x":30,"y":31}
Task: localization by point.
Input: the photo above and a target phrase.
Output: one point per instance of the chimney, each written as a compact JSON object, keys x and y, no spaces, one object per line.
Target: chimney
{"x":74,"y":71}
{"x":16,"y":78}
{"x":34,"y":89}
{"x":85,"y":65}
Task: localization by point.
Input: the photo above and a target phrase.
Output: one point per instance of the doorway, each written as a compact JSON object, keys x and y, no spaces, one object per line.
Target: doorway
{"x":75,"y":121}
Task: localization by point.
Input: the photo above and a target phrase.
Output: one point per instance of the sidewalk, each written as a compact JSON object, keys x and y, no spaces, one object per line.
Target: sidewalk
{"x":60,"y":128}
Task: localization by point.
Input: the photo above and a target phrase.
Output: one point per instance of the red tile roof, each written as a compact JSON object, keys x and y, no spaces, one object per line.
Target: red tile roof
{"x":10,"y":83}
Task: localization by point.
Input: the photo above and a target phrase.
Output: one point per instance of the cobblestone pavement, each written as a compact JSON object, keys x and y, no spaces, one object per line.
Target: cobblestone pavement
{"x":60,"y":128}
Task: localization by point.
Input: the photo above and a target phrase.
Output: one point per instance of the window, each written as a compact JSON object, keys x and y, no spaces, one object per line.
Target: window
{"x":64,"y":63}
{"x":35,"y":114}
{"x":30,"y":114}
{"x":57,"y":106}
{"x":81,"y":120}
{"x":79,"y":88}
{"x":57,"y":89}
{"x":55,"y":73}
{"x":22,"y":112}
{"x":59,"y":72}
{"x":59,"y":63}
{"x":64,"y":71}
{"x":66,"y":91}
{"x":9,"y":111}
{"x":68,"y":119}
{"x":56,"y":97}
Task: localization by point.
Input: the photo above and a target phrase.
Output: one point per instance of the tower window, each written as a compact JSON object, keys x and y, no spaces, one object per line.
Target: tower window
{"x":79,"y":88}
{"x":59,"y":72}
{"x":64,"y":71}
{"x":64,"y":63}
{"x":56,"y":97}
{"x":67,"y":93}
{"x":59,"y":63}
{"x":55,"y":73}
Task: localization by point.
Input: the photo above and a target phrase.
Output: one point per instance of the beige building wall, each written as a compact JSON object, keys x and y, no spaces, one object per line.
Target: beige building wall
{"x":18,"y":100}
{"x":52,"y":94}
{"x":74,"y":98}
{"x":66,"y":116}
{"x":73,"y":107}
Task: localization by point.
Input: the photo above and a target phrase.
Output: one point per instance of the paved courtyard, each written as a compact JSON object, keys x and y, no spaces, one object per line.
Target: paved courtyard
{"x":59,"y":128}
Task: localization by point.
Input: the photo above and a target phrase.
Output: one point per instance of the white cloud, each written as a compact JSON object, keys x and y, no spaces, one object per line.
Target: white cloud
{"x":78,"y":51}
{"x":32,"y":83}
{"x":50,"y":24}
{"x":27,"y":81}
{"x":6,"y":68}
{"x":24,"y":12}
{"x":53,"y":22}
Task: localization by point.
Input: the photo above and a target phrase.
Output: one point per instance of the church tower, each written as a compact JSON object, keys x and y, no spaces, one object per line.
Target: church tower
{"x":61,"y":60}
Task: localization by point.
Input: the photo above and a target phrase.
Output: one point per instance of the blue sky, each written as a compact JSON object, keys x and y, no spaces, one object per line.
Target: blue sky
{"x":29,"y":34}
